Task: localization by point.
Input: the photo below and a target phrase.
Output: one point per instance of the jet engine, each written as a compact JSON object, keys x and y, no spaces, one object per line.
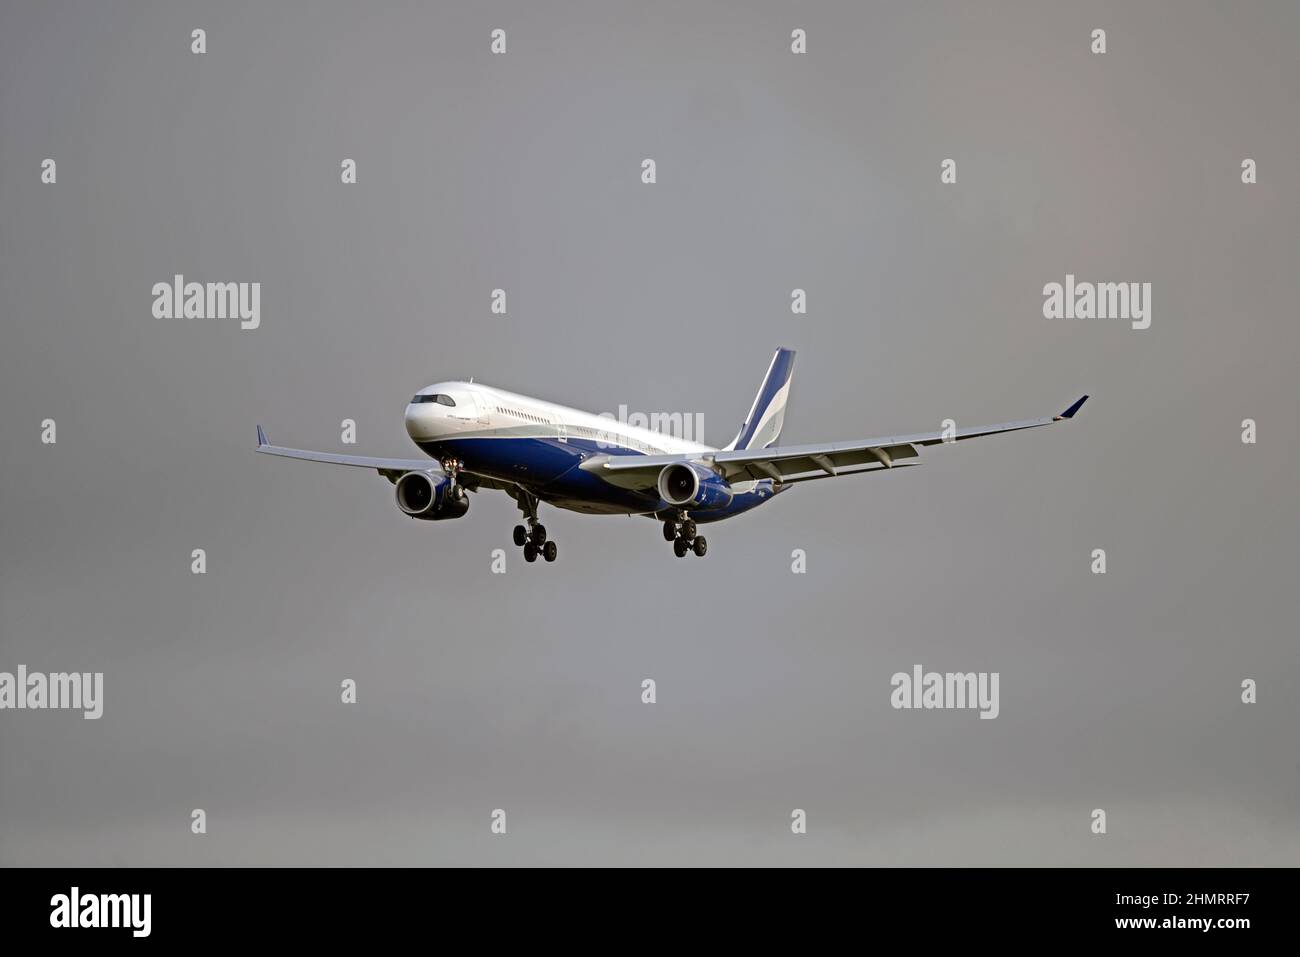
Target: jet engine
{"x":431,"y":497}
{"x":692,"y":487}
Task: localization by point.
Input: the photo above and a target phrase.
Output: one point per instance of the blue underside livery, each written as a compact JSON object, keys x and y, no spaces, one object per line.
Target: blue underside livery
{"x":549,"y":469}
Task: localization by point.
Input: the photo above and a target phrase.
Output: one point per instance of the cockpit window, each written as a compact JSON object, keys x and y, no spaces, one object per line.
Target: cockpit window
{"x":439,"y":398}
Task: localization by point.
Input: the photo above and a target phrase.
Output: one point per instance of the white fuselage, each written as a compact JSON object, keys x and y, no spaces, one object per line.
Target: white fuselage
{"x":482,"y":410}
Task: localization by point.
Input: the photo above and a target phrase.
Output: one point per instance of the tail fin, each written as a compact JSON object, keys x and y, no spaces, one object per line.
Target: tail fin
{"x":762,"y":426}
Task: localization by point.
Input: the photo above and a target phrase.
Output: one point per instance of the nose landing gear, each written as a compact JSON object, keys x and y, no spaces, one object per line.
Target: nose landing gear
{"x":681,"y":532}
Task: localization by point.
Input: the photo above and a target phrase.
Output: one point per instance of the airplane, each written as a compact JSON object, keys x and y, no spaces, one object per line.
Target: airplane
{"x":478,"y":437}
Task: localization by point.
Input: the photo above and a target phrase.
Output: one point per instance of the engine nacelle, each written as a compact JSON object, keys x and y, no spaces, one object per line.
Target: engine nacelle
{"x":693,"y":487}
{"x":430,"y":496}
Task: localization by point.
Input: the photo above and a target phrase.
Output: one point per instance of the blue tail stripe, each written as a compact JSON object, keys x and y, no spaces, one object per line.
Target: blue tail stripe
{"x":777,"y":376}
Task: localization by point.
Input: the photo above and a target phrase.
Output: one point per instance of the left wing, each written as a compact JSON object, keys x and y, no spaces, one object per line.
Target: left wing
{"x":794,"y":463}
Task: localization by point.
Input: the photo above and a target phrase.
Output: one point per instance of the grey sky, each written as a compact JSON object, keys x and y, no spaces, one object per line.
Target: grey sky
{"x":522,"y":691}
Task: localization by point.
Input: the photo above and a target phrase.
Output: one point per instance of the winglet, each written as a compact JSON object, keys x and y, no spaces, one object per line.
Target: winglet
{"x":261,"y":437}
{"x":1069,"y":413}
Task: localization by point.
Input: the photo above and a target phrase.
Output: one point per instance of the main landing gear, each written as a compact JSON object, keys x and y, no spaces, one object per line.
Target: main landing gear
{"x":681,"y":532}
{"x":533,"y":538}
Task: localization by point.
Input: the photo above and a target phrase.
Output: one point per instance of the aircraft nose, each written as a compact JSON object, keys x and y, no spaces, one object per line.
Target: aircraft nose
{"x":419,"y":421}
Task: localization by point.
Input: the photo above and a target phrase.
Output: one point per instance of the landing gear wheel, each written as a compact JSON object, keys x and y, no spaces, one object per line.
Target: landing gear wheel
{"x":700,"y":545}
{"x":538,"y":535}
{"x":670,"y":531}
{"x":549,"y":551}
{"x":521,"y":535}
{"x":688,"y":529}
{"x":679,"y":547}
{"x":530,"y":552}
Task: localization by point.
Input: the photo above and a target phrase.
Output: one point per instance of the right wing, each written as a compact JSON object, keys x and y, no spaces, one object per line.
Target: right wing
{"x":391,"y":469}
{"x":801,"y":463}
